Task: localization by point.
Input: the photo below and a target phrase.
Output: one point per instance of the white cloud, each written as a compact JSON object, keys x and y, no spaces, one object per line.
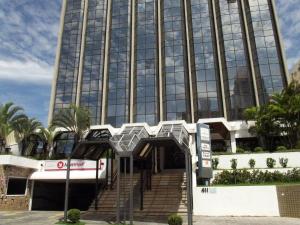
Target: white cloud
{"x":25,"y":72}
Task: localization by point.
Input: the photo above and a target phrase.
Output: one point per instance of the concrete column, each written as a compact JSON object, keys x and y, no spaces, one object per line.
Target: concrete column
{"x":232,"y":141}
{"x":162,"y":157}
{"x":250,"y":52}
{"x":188,"y":35}
{"x":82,"y":48}
{"x":219,"y":59}
{"x":160,"y":62}
{"x":132,"y":63}
{"x":57,"y":60}
{"x":106,"y":62}
{"x":281,"y":43}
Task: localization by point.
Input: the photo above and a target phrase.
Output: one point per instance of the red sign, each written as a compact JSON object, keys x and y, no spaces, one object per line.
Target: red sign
{"x":60,"y":165}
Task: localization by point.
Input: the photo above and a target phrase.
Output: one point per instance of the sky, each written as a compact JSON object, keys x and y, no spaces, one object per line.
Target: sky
{"x":28,"y":39}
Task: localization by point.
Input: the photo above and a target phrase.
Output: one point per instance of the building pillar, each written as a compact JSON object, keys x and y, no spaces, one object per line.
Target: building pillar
{"x":162,"y":157}
{"x":188,"y":43}
{"x":160,"y":60}
{"x":281,"y":43}
{"x":82,"y":48}
{"x":248,"y":43}
{"x":132,"y":63}
{"x":106,"y":62}
{"x":232,"y":141}
{"x":213,"y":3}
{"x":57,"y":60}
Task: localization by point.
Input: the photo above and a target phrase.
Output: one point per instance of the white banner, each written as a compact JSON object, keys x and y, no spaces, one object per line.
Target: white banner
{"x":61,"y":165}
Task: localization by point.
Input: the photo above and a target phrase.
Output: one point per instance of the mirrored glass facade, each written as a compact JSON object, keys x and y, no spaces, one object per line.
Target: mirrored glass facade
{"x":157,"y":60}
{"x":176,"y":98}
{"x":207,"y":85}
{"x":119,"y":64}
{"x":267,"y":60}
{"x":146,"y":104}
{"x":92,"y":76}
{"x":67,"y":78}
{"x":238,"y":84}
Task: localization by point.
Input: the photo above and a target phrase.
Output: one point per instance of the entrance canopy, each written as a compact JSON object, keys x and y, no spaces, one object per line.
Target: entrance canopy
{"x":132,"y":138}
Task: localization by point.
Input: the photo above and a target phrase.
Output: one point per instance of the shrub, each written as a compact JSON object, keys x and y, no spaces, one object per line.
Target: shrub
{"x":252,"y":163}
{"x":233,"y":164}
{"x":283,"y":162}
{"x":258,"y":149}
{"x":74,"y":215}
{"x":174,"y":219}
{"x":298,"y":145}
{"x":281,"y":148}
{"x":240,"y":150}
{"x":271,"y":162}
{"x":215,"y":163}
{"x":256,"y":177}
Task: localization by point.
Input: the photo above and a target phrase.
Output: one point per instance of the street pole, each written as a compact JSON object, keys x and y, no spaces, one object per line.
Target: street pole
{"x":67,"y":189}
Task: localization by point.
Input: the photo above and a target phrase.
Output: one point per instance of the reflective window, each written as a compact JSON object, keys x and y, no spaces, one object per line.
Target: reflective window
{"x":269,"y":74}
{"x":146,"y":59}
{"x":209,"y":99}
{"x":176,"y":96}
{"x":119,"y":63}
{"x":91,"y":90}
{"x":69,"y":55}
{"x":237,"y":77}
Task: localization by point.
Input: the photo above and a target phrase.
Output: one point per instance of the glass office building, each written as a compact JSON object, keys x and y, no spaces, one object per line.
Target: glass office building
{"x":132,"y":61}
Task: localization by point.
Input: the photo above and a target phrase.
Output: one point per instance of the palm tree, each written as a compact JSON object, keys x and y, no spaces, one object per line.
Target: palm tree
{"x":48,"y":135}
{"x":73,"y":119}
{"x":25,"y":128}
{"x":10,"y":115}
{"x":77,"y":121}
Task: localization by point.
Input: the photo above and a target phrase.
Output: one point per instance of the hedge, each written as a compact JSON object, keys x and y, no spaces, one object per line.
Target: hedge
{"x":256,"y":177}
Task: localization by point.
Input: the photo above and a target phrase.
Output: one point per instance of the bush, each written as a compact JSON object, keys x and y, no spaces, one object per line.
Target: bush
{"x":252,"y":163}
{"x":74,"y":215}
{"x":283,"y":162}
{"x":174,"y":219}
{"x":258,"y":149}
{"x":233,"y":164}
{"x":256,"y":177}
{"x":240,"y":150}
{"x":215,"y":163}
{"x":281,"y":148}
{"x":298,"y":145}
{"x":271,"y":162}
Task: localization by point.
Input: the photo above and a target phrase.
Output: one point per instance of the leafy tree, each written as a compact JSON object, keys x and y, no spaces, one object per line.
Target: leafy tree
{"x":281,"y":116}
{"x":10,"y":115}
{"x":74,"y":119}
{"x":25,"y":128}
{"x":48,"y":135}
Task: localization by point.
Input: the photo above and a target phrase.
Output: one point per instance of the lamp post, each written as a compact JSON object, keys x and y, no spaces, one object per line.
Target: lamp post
{"x":67,"y":189}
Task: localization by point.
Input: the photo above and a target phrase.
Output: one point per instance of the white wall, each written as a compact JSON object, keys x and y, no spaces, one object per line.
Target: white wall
{"x":260,"y":159}
{"x":19,"y":161}
{"x":236,"y":201}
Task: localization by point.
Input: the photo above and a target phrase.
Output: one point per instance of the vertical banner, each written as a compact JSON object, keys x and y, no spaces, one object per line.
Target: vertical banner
{"x":204,"y":151}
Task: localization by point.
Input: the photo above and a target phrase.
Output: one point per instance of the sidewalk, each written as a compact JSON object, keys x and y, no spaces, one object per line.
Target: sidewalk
{"x":50,"y":218}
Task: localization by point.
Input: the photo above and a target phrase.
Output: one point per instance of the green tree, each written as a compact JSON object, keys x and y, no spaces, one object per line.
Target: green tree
{"x":48,"y":136}
{"x":10,"y":115}
{"x":281,"y":116}
{"x":25,"y":128}
{"x":73,"y":119}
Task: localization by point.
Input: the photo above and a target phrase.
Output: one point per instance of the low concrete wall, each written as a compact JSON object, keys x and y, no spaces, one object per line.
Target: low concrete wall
{"x":20,"y":162}
{"x":260,"y":159}
{"x":236,"y":201}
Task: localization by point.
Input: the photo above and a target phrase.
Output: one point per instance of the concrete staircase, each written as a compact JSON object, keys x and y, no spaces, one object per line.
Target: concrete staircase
{"x":167,"y":196}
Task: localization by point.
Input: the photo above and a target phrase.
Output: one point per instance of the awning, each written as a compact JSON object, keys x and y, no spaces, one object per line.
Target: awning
{"x":61,"y":175}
